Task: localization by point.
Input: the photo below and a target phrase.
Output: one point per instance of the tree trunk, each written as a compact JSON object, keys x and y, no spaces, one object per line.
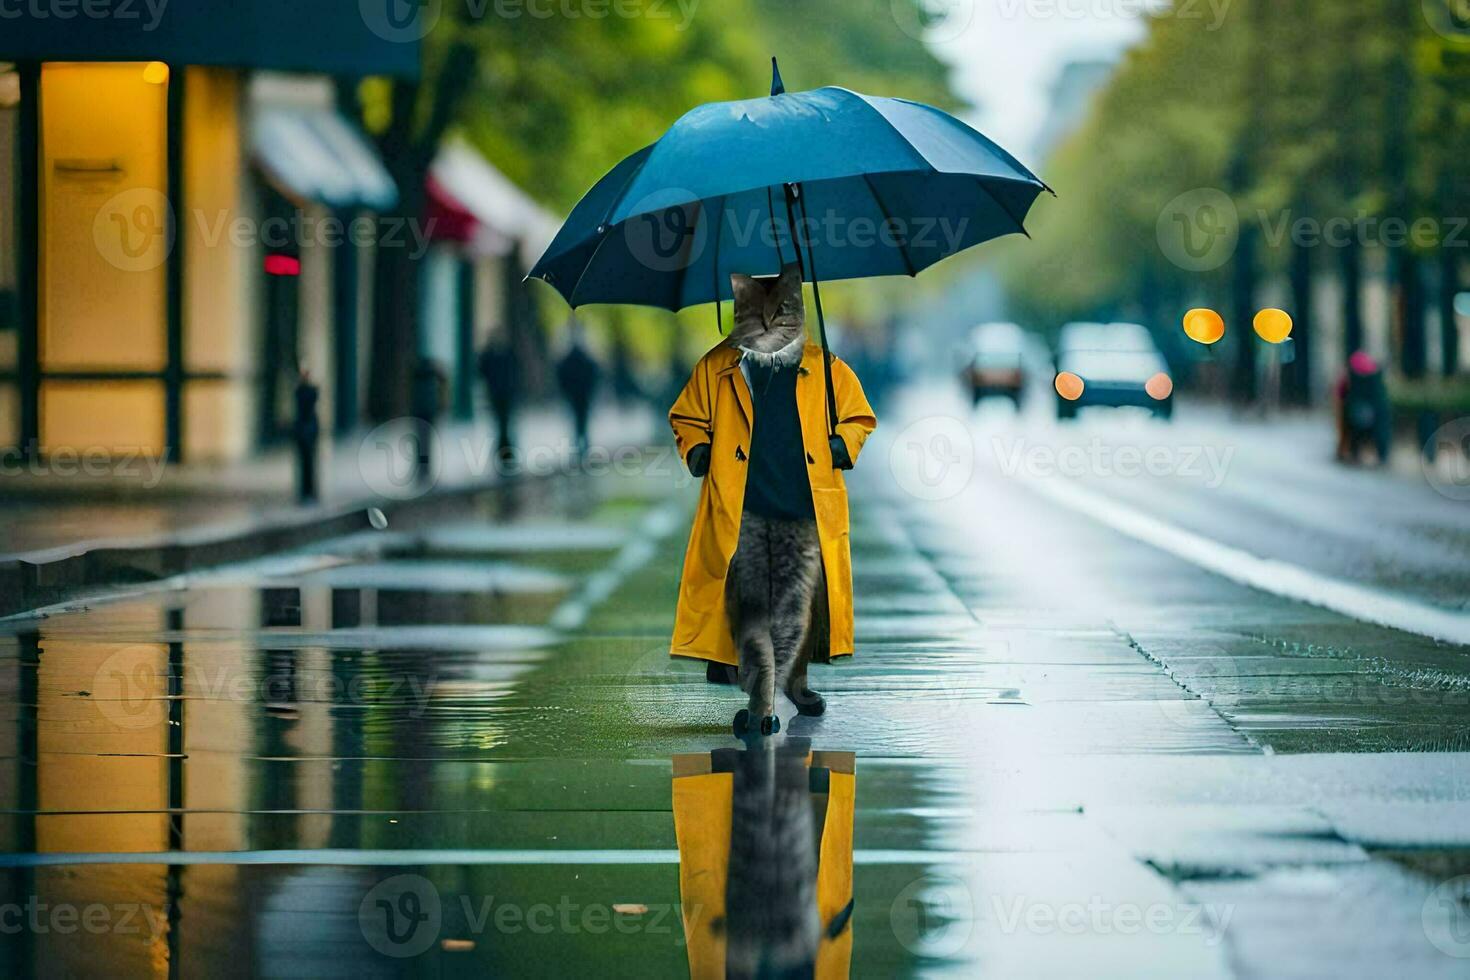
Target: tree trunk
{"x":1243,"y":310}
{"x":1298,"y":379}
{"x":1409,"y":312}
{"x":1351,"y":266}
{"x":1449,"y":328}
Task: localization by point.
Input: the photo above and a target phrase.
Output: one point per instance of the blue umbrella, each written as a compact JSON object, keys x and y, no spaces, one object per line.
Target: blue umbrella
{"x":871,"y":186}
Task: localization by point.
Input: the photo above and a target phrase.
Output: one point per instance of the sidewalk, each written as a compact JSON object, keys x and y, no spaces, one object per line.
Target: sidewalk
{"x":71,"y":530}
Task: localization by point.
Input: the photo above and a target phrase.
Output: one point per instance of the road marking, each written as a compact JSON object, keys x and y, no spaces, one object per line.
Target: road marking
{"x":638,"y":551}
{"x":1266,"y":574}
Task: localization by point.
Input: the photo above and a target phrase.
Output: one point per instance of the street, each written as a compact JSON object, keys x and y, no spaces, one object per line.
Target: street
{"x":1129,"y":699}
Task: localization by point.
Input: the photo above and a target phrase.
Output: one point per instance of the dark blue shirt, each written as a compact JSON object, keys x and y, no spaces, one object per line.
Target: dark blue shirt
{"x":777,"y":484}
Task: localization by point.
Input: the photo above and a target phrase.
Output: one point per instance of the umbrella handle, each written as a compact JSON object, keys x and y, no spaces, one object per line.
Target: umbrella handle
{"x":793,"y":196}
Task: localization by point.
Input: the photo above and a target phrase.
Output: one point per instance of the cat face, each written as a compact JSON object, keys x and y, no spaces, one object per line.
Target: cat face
{"x":769,"y":313}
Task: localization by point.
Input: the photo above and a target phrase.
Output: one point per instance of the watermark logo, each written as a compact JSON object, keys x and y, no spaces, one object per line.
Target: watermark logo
{"x":1198,"y":230}
{"x":401,"y":916}
{"x":668,"y":231}
{"x":1449,"y":18}
{"x":134,"y":230}
{"x":147,"y":13}
{"x":400,"y":21}
{"x":130,"y":687}
{"x":401,"y":459}
{"x":933,"y":458}
{"x":1449,"y":472}
{"x":1446,"y":917}
{"x":1206,"y":681}
{"x":933,"y":916}
{"x":1100,"y":917}
{"x":1205,"y":464}
{"x":933,"y":21}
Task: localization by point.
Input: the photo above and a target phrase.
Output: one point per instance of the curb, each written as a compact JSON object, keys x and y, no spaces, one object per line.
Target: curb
{"x":27,"y":585}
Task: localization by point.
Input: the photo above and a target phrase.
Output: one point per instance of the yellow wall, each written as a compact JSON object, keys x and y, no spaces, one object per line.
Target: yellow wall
{"x":103,"y":251}
{"x":219,"y":317}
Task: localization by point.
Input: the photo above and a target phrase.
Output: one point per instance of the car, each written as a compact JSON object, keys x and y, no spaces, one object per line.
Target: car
{"x":1113,"y":365}
{"x":997,"y":365}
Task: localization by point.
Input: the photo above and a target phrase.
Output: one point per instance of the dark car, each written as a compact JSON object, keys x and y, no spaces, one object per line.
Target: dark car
{"x":1114,"y":365}
{"x":997,"y":365}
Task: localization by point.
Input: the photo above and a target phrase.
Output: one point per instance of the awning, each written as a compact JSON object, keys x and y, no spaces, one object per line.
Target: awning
{"x":314,"y":154}
{"x":334,"y":37}
{"x":479,"y":207}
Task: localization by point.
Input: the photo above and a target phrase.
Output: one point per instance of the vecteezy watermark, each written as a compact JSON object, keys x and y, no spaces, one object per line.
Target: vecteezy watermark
{"x":1206,"y":680}
{"x":126,"y":462}
{"x":1445,"y":916}
{"x":933,"y":916}
{"x":410,"y":21}
{"x":131,"y":687}
{"x":1099,"y":917}
{"x":1423,"y":232}
{"x":136,"y":230}
{"x":148,"y":14}
{"x":1449,"y":18}
{"x":405,"y":458}
{"x":669,"y":232}
{"x":1018,"y":457}
{"x":404,"y":915}
{"x":934,"y":21}
{"x":1449,"y":472}
{"x":933,"y":458}
{"x":39,"y":918}
{"x":401,"y":916}
{"x":1198,"y":230}
{"x":1211,"y":12}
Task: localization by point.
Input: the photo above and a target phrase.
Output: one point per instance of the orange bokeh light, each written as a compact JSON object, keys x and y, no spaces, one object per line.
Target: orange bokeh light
{"x":1273,"y":326}
{"x":1159,"y":387}
{"x":156,"y":73}
{"x":1204,"y":325}
{"x":1069,"y":386}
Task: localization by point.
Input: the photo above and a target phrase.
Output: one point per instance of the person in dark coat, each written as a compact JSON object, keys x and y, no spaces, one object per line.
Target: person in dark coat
{"x":502,"y":383}
{"x":578,"y":375}
{"x":306,"y":429}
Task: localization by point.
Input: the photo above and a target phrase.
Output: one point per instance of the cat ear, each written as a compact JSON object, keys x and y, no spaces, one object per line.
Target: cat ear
{"x":786,"y":290}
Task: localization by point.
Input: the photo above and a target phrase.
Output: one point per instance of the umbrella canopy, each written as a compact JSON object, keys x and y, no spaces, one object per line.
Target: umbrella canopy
{"x":873,"y":186}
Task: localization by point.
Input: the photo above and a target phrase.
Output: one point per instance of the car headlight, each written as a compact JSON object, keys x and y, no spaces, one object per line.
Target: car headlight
{"x":1069,"y":386}
{"x":1159,"y":387}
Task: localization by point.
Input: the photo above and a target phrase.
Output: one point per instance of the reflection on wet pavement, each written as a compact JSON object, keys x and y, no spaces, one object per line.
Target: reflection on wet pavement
{"x":765,"y":859}
{"x":446,"y":749}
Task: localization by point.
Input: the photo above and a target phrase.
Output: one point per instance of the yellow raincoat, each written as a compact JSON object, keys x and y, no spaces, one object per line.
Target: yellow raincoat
{"x":715,"y":408}
{"x":703,"y":795}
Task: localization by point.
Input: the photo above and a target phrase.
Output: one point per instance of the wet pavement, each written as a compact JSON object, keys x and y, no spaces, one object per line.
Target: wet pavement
{"x":1062,"y":748}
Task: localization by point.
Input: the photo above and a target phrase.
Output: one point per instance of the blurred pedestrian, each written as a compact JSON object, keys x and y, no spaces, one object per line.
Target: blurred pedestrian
{"x":578,"y":375}
{"x":429,"y":384}
{"x":1362,"y":409}
{"x":502,"y":385}
{"x":306,"y":429}
{"x":625,"y":386}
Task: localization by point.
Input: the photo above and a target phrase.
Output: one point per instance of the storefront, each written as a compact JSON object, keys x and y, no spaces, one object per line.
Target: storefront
{"x":132,"y":288}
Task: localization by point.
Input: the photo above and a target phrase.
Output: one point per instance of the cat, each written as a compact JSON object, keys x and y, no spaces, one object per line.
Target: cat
{"x":775,"y":587}
{"x":772,"y":927}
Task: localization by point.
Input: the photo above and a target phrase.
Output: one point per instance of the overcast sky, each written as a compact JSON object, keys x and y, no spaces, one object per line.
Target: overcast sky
{"x":1006,"y":53}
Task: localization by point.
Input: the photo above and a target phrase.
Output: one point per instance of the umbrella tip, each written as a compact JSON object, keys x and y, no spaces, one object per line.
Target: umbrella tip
{"x":778,"y":87}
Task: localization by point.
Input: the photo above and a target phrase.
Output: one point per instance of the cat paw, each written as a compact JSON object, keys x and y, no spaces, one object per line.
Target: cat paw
{"x":808,"y":702}
{"x":770,"y":725}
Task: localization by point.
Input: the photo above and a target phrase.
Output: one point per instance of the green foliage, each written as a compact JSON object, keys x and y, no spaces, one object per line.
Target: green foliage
{"x":558,"y":101}
{"x":1312,"y":109}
